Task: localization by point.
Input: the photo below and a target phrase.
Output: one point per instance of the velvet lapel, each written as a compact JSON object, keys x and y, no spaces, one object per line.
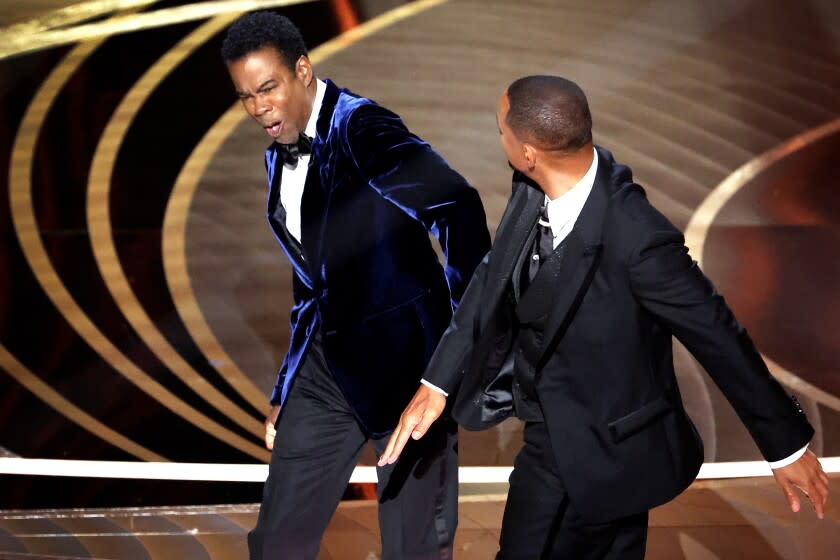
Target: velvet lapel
{"x":582,"y":254}
{"x":277,"y":216}
{"x":511,"y":237}
{"x":315,"y":194}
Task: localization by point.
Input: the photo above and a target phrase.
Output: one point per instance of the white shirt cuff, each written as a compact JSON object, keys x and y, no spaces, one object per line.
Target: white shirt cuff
{"x":787,"y":461}
{"x":434,"y":387}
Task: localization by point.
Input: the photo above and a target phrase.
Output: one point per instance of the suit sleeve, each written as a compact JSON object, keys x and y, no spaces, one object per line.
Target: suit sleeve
{"x":670,"y":285}
{"x":446,"y":366}
{"x":407,"y":172}
{"x":277,"y":395}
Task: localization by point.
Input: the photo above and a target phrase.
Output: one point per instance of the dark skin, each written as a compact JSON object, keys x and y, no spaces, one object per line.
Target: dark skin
{"x":556,"y":172}
{"x":280,"y":100}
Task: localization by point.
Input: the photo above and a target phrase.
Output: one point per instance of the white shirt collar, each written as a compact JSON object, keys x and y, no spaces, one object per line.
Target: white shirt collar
{"x":564,"y":210}
{"x":312,"y":123}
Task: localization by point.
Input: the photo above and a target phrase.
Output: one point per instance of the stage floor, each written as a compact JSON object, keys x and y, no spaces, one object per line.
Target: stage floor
{"x":747,"y":519}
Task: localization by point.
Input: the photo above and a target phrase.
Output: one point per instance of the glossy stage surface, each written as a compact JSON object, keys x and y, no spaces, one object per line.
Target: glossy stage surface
{"x":712,"y":520}
{"x":144,"y":302}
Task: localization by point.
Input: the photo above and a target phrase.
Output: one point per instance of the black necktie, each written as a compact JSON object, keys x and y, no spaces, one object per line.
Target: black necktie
{"x":290,"y":153}
{"x":543,"y":244}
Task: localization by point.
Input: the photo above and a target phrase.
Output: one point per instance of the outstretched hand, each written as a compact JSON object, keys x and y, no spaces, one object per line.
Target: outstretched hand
{"x":426,"y":406}
{"x":808,"y":476}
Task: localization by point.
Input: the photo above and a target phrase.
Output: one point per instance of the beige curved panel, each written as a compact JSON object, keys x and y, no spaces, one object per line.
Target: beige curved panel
{"x":99,"y":225}
{"x":26,"y":228}
{"x":704,"y":217}
{"x":175,"y":221}
{"x":74,"y":13}
{"x":53,"y":398}
{"x":23,"y":42}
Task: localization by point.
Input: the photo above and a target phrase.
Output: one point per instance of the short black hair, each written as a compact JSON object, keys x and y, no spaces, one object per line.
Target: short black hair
{"x":257,"y":30}
{"x":550,"y":111}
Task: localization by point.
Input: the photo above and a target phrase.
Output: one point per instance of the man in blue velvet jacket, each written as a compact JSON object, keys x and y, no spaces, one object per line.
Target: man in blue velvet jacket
{"x":352,"y":198}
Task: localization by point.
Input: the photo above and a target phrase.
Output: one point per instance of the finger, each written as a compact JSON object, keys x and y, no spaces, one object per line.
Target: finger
{"x":821,"y":483}
{"x":420,"y":430}
{"x":392,"y":444}
{"x":824,"y":478}
{"x":422,"y":427}
{"x":816,"y":497}
{"x":399,"y":442}
{"x":270,"y":434}
{"x":392,"y":441}
{"x":821,"y":490}
{"x":791,"y":496}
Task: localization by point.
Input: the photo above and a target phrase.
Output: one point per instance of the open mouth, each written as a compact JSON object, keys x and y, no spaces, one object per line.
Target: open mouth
{"x":273,"y":130}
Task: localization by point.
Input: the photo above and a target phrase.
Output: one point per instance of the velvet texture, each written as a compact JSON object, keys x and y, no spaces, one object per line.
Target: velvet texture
{"x":365,"y":273}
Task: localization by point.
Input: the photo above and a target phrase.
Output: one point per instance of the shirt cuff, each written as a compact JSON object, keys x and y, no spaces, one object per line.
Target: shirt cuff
{"x":792,"y":459}
{"x":434,"y":388}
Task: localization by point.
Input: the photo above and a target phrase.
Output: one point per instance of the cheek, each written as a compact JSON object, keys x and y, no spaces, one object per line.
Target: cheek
{"x":507,"y":150}
{"x":278,"y":100}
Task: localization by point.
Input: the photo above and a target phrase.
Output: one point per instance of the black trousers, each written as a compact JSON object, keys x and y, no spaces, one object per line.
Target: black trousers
{"x":318,"y":444}
{"x":540,"y":524}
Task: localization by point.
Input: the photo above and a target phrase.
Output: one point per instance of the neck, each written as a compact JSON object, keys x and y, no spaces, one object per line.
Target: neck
{"x":311,"y":91}
{"x":562,"y":172}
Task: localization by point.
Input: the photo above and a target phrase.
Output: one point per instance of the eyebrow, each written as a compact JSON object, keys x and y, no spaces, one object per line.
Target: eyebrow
{"x":265,"y":84}
{"x":261,"y":87}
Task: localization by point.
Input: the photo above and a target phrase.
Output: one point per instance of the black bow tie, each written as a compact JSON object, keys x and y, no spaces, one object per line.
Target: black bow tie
{"x":290,"y":153}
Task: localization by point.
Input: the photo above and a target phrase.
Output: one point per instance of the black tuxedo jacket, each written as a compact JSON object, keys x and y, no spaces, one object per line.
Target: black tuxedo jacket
{"x":609,"y":396}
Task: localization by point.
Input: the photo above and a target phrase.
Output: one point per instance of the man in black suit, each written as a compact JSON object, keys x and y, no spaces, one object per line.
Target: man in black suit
{"x":352,"y":198}
{"x":568,"y":322}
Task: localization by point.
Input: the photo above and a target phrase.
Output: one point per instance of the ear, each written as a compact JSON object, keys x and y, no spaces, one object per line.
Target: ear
{"x":303,"y":70}
{"x":529,"y":152}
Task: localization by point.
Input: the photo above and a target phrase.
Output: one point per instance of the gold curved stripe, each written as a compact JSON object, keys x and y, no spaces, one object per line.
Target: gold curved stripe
{"x":23,"y":42}
{"x":74,"y":13}
{"x":175,"y":220}
{"x":54,"y":399}
{"x":101,"y":234}
{"x":175,"y":264}
{"x":26,"y":228}
{"x":698,"y":229}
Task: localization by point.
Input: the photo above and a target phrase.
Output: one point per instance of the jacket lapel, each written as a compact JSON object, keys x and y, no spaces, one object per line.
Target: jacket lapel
{"x":583,"y":249}
{"x":571,"y":283}
{"x":277,"y":216}
{"x":313,"y":202}
{"x":515,"y":228}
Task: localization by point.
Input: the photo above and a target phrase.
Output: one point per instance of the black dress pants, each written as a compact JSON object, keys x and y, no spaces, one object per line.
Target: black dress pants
{"x":317,"y":446}
{"x":540,"y":524}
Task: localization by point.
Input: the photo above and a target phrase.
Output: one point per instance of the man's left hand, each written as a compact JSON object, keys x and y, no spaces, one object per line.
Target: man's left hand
{"x":808,"y":476}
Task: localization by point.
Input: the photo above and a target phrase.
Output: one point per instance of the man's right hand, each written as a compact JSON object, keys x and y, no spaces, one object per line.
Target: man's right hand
{"x":426,"y":406}
{"x":270,"y":431}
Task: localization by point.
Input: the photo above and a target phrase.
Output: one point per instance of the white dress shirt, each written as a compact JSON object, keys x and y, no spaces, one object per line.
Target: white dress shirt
{"x":563,"y":212}
{"x":294,"y":178}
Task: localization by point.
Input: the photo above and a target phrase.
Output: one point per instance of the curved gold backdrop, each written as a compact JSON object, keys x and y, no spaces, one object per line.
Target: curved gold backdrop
{"x":145,"y":299}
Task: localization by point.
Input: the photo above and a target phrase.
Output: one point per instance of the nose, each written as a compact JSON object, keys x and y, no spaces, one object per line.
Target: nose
{"x":259,"y":106}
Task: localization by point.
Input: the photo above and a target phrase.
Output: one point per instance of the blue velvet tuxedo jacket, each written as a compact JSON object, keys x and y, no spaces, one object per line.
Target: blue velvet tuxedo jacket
{"x":365,"y":272}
